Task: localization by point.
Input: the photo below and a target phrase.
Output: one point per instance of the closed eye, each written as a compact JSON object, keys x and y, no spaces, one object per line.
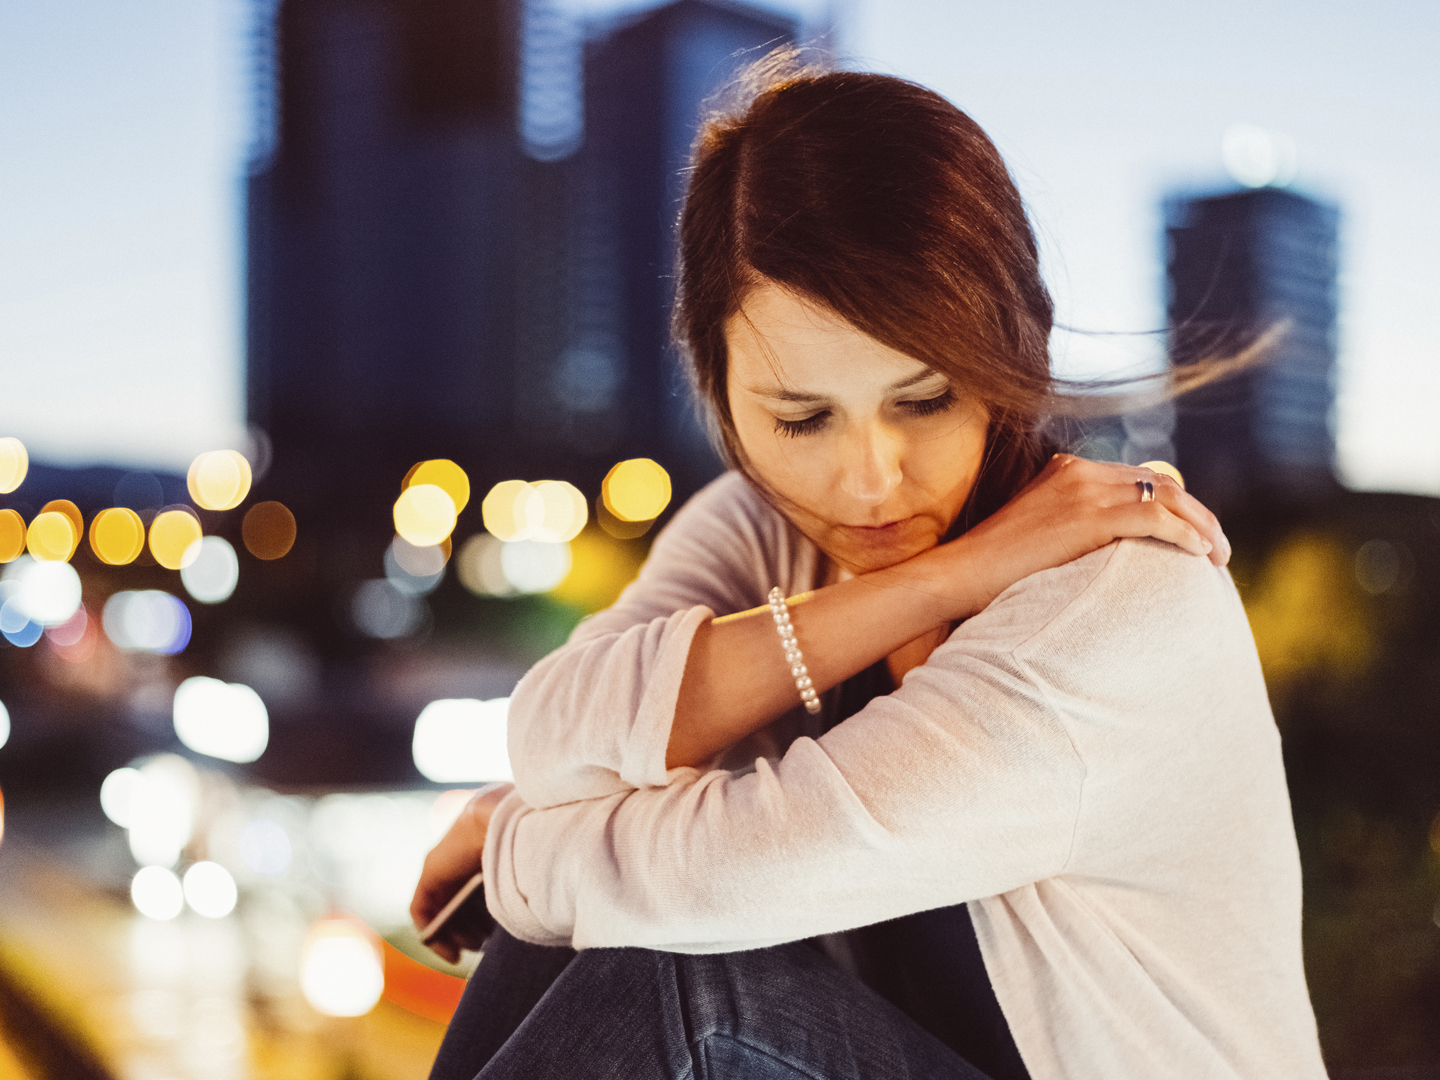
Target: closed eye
{"x":930,"y":406}
{"x":792,"y":429}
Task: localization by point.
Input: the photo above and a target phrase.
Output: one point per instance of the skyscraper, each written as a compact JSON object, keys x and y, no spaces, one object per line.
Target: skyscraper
{"x":602,"y":224}
{"x":1239,"y":264}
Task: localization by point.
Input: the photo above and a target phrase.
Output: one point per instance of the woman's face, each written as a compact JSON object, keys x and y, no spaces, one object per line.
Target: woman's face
{"x":873,"y":452}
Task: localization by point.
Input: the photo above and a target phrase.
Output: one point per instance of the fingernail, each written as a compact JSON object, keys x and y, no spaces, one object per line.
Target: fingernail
{"x":1208,"y":546}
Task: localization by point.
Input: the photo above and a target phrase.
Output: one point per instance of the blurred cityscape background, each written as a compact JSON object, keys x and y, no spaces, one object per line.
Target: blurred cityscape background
{"x":336,"y":390}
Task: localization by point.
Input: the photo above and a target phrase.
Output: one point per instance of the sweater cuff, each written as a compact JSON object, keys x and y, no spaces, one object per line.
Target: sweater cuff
{"x":503,"y":898}
{"x":642,"y":762}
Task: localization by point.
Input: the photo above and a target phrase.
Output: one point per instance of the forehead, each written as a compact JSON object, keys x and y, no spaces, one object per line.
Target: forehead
{"x":779,"y":339}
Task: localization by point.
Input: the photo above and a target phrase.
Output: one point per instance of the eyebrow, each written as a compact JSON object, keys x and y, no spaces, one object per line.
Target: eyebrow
{"x":781,"y":393}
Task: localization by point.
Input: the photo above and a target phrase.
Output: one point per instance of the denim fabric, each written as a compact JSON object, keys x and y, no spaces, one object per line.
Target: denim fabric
{"x":783,"y":1013}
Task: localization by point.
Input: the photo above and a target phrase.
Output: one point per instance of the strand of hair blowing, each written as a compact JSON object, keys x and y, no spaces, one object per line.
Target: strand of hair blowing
{"x":881,"y":201}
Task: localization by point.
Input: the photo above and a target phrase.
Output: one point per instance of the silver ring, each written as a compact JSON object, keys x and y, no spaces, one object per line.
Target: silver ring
{"x":1147,"y":490}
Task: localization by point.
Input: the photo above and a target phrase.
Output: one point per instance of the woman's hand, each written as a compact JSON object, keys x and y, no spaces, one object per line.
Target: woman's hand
{"x":1076,"y":506}
{"x":451,"y":863}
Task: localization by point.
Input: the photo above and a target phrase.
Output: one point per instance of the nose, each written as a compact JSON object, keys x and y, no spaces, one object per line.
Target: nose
{"x":870,"y":462}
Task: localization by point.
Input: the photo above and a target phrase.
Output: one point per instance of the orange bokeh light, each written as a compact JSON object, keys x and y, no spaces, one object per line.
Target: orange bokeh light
{"x":117,"y":536}
{"x":12,"y":535}
{"x":268,"y":530}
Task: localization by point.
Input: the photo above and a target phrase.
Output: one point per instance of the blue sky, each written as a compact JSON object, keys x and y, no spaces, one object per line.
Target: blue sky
{"x":123,"y":129}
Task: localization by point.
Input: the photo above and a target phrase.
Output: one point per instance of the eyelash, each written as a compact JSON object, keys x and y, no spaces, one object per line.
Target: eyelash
{"x":793,"y":429}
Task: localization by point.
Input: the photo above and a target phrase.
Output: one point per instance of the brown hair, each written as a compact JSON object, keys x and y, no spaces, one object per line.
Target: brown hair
{"x":881,"y":201}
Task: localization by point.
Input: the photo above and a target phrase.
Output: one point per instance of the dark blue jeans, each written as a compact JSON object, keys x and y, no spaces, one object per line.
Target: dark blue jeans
{"x":634,"y":1014}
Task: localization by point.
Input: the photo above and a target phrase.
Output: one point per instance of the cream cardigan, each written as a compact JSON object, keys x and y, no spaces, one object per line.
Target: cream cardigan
{"x":1090,"y":762}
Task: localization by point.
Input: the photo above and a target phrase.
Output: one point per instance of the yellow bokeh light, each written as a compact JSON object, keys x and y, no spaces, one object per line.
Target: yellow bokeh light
{"x":562,"y":511}
{"x":1166,"y":468}
{"x":219,"y":479}
{"x":505,"y":509}
{"x":552,"y":511}
{"x":14,"y":464}
{"x":445,"y":475}
{"x":117,"y":536}
{"x":268,"y":530}
{"x":12,"y":535}
{"x":620,"y":530}
{"x":424,"y":514}
{"x":171,"y":534}
{"x":51,"y":536}
{"x":600,"y":568}
{"x":71,"y":511}
{"x":636,"y":490}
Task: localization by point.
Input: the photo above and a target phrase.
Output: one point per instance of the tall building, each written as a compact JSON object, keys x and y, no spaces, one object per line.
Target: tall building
{"x":611,"y":384}
{"x":460,"y":246}
{"x":382,"y":241}
{"x":1239,"y":264}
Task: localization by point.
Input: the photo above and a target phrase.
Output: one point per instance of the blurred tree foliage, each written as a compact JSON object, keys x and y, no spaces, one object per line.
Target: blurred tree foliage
{"x":1344,"y":602}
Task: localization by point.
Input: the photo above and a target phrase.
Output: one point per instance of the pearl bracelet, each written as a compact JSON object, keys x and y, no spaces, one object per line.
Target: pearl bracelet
{"x":801,"y":673}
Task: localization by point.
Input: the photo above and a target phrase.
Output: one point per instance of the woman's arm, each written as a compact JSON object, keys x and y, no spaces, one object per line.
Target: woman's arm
{"x":736,"y":678}
{"x":652,"y":683}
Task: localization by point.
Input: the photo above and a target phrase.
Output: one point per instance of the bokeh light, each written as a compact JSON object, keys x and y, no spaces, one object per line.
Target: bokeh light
{"x":444,"y":474}
{"x":4,"y":724}
{"x":116,"y":791}
{"x":14,"y":464}
{"x":171,"y":535}
{"x":478,"y":566}
{"x":636,"y":490}
{"x":219,"y":480}
{"x":117,"y":536}
{"x":71,"y":511}
{"x":221,"y":720}
{"x":549,"y":510}
{"x":45,"y":593}
{"x":268,"y":530}
{"x":161,"y":808}
{"x":424,"y":514}
{"x":613,"y":526}
{"x":534,"y":566}
{"x":51,"y":536}
{"x":71,"y":631}
{"x":413,"y":570}
{"x":1166,"y":468}
{"x":601,"y":567}
{"x":341,"y":968}
{"x":147,"y":620}
{"x":210,"y":570}
{"x":210,"y":890}
{"x":157,"y":893}
{"x":460,"y":740}
{"x":382,"y":611}
{"x":265,"y":847}
{"x":12,"y":535}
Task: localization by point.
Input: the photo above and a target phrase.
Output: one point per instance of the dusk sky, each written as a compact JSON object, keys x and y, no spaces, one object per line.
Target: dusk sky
{"x":123,"y":130}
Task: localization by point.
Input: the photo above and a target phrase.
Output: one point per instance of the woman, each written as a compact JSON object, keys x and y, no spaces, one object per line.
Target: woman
{"x":1063,"y":826}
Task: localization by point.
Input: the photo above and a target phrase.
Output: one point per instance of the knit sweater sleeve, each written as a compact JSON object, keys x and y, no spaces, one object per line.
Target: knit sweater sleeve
{"x":961,"y":784}
{"x":593,"y":718}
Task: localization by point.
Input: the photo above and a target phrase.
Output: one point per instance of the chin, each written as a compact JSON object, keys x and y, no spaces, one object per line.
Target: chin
{"x":863,"y":550}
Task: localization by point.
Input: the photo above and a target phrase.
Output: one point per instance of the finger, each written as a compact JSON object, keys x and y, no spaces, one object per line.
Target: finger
{"x":1191,"y":510}
{"x":1155,"y":520}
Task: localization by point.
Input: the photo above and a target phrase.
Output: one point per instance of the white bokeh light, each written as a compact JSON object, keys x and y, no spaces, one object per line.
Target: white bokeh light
{"x":221,"y":720}
{"x":157,"y":893}
{"x":46,"y":592}
{"x":210,"y":570}
{"x":210,"y":890}
{"x":116,"y":791}
{"x":148,"y":620}
{"x":460,"y":740}
{"x":4,"y":724}
{"x":265,"y":847}
{"x":161,"y":810}
{"x":341,"y":973}
{"x":534,"y":566}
